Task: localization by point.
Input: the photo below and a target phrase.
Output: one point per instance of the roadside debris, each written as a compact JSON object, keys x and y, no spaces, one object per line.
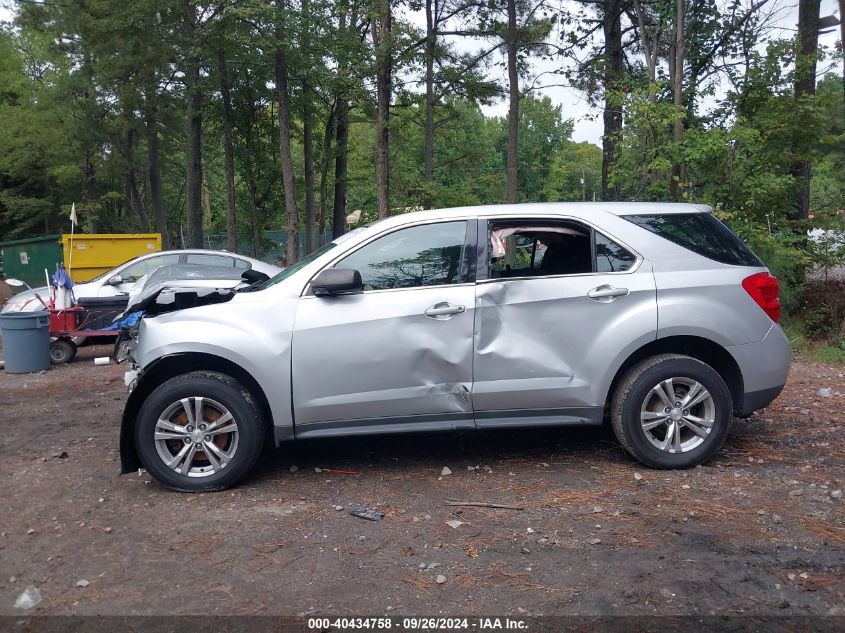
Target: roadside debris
{"x":454,"y":523}
{"x":446,"y":471}
{"x":836,"y":494}
{"x":29,"y":598}
{"x":370,"y":514}
{"x":638,"y":476}
{"x":440,"y":579}
{"x":481,"y":504}
{"x":82,"y":583}
{"x":594,"y":541}
{"x":61,"y":455}
{"x":294,"y":468}
{"x":340,"y":471}
{"x":825,"y":392}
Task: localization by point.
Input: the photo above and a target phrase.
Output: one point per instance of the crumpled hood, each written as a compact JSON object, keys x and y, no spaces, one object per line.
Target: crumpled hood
{"x":179,"y":287}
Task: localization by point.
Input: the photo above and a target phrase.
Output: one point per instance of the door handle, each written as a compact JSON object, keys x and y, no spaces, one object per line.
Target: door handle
{"x":444,"y":309}
{"x":607,"y":292}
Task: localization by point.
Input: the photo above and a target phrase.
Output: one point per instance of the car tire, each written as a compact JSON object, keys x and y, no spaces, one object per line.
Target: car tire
{"x":651,"y":426}
{"x":218,"y":448}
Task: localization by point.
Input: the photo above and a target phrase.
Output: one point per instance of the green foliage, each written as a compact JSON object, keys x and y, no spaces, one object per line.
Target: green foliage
{"x":784,"y":254}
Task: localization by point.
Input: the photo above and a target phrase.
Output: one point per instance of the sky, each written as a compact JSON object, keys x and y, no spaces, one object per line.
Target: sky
{"x":587,"y":119}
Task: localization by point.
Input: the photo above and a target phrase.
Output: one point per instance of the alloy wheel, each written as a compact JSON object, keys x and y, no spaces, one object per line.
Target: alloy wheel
{"x":196,"y":436}
{"x":677,"y":415}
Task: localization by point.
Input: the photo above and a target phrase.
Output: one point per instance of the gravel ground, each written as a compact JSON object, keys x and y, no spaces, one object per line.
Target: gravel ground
{"x":759,"y":530}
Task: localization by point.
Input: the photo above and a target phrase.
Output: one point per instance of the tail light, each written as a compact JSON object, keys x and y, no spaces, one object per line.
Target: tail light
{"x":763,"y":288}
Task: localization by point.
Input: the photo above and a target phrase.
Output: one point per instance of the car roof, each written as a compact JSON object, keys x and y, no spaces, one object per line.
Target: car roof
{"x":583,"y":210}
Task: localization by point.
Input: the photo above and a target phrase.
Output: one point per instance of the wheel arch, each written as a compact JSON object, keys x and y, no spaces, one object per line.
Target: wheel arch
{"x":164,"y":369}
{"x":705,"y":350}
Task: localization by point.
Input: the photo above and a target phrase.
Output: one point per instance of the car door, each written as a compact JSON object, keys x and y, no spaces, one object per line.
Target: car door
{"x":397,"y":356}
{"x":557,"y":302}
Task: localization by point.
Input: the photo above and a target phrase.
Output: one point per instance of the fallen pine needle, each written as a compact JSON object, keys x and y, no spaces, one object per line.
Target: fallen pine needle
{"x":481,"y":504}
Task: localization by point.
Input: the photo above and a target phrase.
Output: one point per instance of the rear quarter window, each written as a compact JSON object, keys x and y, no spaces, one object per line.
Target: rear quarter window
{"x":702,"y":233}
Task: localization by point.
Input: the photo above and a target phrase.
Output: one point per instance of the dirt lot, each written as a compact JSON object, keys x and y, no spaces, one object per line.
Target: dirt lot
{"x":755,"y":531}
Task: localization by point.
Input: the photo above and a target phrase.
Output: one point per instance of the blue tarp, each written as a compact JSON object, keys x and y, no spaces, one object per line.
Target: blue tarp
{"x":128,"y":321}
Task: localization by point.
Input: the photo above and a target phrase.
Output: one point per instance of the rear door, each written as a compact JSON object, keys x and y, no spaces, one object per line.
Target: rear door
{"x":397,"y":356}
{"x":556,"y":303}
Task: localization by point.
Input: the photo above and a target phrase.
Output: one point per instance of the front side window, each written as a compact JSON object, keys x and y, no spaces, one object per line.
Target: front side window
{"x":425,"y":255}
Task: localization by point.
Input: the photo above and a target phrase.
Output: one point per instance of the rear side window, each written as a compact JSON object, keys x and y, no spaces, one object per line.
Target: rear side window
{"x":611,"y":257}
{"x":543,"y":249}
{"x":701,"y":233}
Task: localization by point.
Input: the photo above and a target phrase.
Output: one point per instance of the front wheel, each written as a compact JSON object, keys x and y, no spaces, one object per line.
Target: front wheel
{"x":199,"y":431}
{"x":671,"y":411}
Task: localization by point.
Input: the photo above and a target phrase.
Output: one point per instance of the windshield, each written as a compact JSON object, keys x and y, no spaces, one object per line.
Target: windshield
{"x":287,"y":272}
{"x":108,"y":273}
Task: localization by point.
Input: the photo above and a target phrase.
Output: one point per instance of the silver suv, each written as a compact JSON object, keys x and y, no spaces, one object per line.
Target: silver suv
{"x":654,"y":317}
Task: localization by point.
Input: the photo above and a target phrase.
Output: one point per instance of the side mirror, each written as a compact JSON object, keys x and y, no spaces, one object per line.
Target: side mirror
{"x":337,"y":281}
{"x":116,"y":280}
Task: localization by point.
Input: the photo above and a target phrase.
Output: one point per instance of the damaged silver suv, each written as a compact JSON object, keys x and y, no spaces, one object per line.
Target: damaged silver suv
{"x":653,"y":317}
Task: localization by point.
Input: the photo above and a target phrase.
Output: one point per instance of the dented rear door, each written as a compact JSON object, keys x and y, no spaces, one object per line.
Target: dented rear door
{"x":547,"y":347}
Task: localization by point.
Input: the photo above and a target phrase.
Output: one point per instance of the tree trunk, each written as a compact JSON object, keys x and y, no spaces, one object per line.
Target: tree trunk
{"x":253,"y":219}
{"x":193,"y":176}
{"x":805,"y":86}
{"x":308,"y":133}
{"x":308,"y":156}
{"x":281,"y":68}
{"x":133,"y":196}
{"x":677,"y":72}
{"x":91,"y":196}
{"x":842,"y":41}
{"x":513,"y":106}
{"x":255,"y":225}
{"x":382,"y":26}
{"x":613,"y":74}
{"x":154,"y":171}
{"x":229,"y":156}
{"x":328,"y":136}
{"x":339,"y":210}
{"x":430,"y":47}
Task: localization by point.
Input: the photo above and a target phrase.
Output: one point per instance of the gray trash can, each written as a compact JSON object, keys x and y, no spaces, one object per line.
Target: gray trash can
{"x":26,"y":341}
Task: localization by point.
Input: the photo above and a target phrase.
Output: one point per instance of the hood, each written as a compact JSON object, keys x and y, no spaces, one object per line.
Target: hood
{"x":181,"y":286}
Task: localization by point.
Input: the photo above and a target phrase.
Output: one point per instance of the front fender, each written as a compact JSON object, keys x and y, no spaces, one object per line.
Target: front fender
{"x":253,"y":335}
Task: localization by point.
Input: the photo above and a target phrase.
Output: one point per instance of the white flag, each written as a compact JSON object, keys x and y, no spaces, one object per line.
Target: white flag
{"x":73,"y":220}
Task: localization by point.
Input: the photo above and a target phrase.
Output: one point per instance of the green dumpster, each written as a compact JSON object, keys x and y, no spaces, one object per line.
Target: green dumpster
{"x":26,"y":259}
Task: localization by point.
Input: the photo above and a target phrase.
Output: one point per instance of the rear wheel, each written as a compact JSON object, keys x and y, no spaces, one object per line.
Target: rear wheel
{"x":199,"y":431}
{"x":62,"y":351}
{"x":671,"y":411}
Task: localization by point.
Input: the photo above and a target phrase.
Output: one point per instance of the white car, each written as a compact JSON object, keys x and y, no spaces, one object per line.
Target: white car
{"x":120,"y":280}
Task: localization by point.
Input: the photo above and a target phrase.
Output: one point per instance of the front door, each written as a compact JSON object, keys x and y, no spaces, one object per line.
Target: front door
{"x":398,"y":356}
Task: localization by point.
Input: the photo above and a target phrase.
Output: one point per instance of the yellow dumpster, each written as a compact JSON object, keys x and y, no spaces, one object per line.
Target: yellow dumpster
{"x":88,"y":255}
